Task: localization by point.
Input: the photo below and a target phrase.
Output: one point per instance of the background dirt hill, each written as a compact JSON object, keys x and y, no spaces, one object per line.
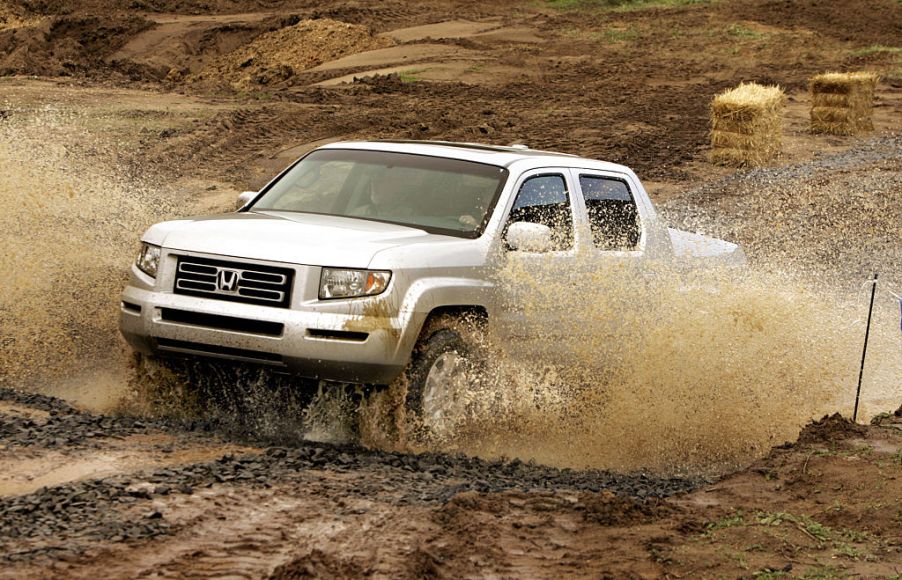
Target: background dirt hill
{"x":64,"y":45}
{"x":279,"y":55}
{"x":10,"y":14}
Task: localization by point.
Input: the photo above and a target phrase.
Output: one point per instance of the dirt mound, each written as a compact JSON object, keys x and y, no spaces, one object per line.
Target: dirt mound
{"x":869,"y":22}
{"x":610,"y":509}
{"x":61,"y":46}
{"x":10,"y":14}
{"x":277,"y":56}
{"x":833,"y":427}
{"x":318,"y":564}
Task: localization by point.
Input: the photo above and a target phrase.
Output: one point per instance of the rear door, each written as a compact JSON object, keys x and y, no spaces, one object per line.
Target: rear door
{"x":616,"y":221}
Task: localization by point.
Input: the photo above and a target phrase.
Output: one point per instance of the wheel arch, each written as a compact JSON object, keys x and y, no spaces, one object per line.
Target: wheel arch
{"x":475,"y":315}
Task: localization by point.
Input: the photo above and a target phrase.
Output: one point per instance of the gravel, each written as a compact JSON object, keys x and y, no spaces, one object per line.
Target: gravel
{"x":103,"y":509}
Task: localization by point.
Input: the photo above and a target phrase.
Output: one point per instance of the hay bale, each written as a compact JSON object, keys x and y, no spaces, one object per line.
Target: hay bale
{"x":842,"y":103}
{"x":747,"y":125}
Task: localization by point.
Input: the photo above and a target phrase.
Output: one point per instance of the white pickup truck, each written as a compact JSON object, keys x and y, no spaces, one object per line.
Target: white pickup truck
{"x":358,"y":261}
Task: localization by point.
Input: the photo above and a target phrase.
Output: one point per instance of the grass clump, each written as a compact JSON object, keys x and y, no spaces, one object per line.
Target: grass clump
{"x":736,"y":519}
{"x":738,"y":30}
{"x":622,"y":5}
{"x":876,"y":48}
{"x":412,"y":75}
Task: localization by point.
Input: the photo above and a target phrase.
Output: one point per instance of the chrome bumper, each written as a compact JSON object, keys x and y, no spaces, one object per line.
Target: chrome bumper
{"x":319,"y":345}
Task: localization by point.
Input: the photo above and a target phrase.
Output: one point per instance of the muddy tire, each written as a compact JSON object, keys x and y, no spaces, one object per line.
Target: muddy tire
{"x":445,"y":364}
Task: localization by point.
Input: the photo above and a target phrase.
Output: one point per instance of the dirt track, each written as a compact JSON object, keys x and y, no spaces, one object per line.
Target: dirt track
{"x":149,"y":109}
{"x":820,"y":506}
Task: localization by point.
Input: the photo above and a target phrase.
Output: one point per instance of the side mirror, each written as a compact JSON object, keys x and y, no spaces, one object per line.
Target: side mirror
{"x":529,"y":237}
{"x":245,"y":198}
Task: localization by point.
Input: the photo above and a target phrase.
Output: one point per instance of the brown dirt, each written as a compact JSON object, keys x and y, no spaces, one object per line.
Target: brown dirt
{"x":811,"y":509}
{"x":632,"y":87}
{"x":279,"y":55}
{"x":63,"y":46}
{"x":651,"y":90}
{"x":831,"y":428}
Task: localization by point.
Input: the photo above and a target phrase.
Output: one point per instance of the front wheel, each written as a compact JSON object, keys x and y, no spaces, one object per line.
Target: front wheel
{"x":440,"y":382}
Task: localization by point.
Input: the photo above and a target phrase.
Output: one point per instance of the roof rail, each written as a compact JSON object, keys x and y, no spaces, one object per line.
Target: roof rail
{"x":515,"y":148}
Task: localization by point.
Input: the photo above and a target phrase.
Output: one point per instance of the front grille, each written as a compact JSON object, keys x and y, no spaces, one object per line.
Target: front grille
{"x":234,"y":281}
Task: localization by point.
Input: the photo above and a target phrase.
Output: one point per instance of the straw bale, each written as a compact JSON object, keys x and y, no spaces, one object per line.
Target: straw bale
{"x":829,"y":100}
{"x":832,"y":114}
{"x":762,"y":124}
{"x":843,"y":83}
{"x":842,"y":103}
{"x":738,"y":157}
{"x":747,"y":125}
{"x":733,"y":140}
{"x":748,"y":101}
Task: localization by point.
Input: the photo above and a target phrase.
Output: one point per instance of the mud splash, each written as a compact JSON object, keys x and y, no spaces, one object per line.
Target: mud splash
{"x":682,"y":372}
{"x":68,"y":225}
{"x":669,"y":371}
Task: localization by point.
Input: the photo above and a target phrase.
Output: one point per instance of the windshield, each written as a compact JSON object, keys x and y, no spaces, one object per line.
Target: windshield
{"x":436,"y":194}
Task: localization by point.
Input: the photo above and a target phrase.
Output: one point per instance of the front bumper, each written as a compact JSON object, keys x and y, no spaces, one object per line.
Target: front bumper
{"x":313,"y":344}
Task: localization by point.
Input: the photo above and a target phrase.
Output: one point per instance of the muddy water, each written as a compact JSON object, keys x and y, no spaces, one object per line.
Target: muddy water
{"x":666,"y":370}
{"x":69,"y":221}
{"x":701,"y":372}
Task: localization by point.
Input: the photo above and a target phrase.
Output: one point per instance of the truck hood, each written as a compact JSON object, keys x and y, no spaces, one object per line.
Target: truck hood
{"x":293,"y":238}
{"x":689,"y":246}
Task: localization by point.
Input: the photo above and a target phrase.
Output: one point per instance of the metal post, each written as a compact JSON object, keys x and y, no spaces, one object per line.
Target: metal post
{"x":864,"y":352}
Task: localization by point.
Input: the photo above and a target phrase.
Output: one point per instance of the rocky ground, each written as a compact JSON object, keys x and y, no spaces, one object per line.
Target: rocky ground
{"x":87,"y":494}
{"x":114,"y":115}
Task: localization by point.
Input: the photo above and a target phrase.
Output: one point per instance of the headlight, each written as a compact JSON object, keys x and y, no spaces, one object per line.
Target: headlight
{"x":352,"y":283}
{"x":148,"y":259}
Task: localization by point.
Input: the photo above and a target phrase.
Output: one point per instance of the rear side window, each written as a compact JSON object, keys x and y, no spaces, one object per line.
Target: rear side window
{"x":544,"y":199}
{"x":613,"y":215}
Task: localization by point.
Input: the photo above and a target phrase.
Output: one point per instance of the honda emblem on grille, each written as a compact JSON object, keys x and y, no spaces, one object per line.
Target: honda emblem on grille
{"x":227,"y":280}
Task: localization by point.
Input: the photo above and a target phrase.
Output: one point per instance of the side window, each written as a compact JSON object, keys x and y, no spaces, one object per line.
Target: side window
{"x":543,"y":199}
{"x":613,"y":216}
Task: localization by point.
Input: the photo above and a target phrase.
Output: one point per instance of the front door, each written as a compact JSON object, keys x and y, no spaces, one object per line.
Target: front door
{"x":535,"y":287}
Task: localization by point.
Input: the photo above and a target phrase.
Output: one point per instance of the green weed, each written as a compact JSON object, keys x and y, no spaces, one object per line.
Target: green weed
{"x":739,"y":31}
{"x":847,"y":551}
{"x":816,"y":530}
{"x":620,"y":5}
{"x":823,"y":573}
{"x":854,"y":535}
{"x":411,"y":76}
{"x":875,"y":48}
{"x":769,"y":574}
{"x":612,"y":35}
{"x":737,"y":519}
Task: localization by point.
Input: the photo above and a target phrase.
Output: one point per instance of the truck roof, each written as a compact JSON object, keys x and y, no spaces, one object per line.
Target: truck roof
{"x":503,"y":156}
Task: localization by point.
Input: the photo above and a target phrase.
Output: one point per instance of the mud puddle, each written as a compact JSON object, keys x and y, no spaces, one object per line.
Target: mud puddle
{"x":25,"y":473}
